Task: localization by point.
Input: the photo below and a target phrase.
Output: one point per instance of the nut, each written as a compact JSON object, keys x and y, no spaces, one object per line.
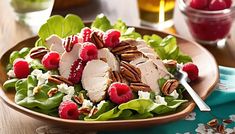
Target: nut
{"x":228,"y":121}
{"x":170,"y":63}
{"x":59,"y":80}
{"x":213,"y":123}
{"x":38,"y":52}
{"x":97,"y":40}
{"x":169,"y":86}
{"x":116,"y":77}
{"x":131,"y":55}
{"x":85,"y":110}
{"x":36,"y":90}
{"x":122,"y":48}
{"x":140,"y":87}
{"x":93,"y":111}
{"x":79,"y":99}
{"x":68,"y":43}
{"x":129,"y":72}
{"x":52,"y":92}
{"x":220,"y":128}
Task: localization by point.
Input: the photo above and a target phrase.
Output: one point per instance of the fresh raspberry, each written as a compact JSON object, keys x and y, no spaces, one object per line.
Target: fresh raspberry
{"x":88,"y":51}
{"x":69,"y":42}
{"x":217,"y":5}
{"x":111,"y":38}
{"x":86,"y":34}
{"x":120,"y":93}
{"x":192,"y":71}
{"x":76,"y":71}
{"x":68,"y":110}
{"x":198,"y":4}
{"x":228,"y":3}
{"x":51,"y":60}
{"x":21,"y":68}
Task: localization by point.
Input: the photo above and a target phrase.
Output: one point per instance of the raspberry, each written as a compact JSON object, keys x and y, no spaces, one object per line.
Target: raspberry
{"x":68,"y":110}
{"x":51,"y":60}
{"x":120,"y":93}
{"x":228,"y":3}
{"x":76,"y":71}
{"x":192,"y":71}
{"x":88,"y":51}
{"x":111,"y":38}
{"x":86,"y":34}
{"x":21,"y":68}
{"x":217,"y":5}
{"x":69,"y":42}
{"x":198,"y":4}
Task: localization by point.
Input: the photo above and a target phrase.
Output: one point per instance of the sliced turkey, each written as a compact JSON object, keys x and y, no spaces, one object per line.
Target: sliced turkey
{"x":105,"y":54}
{"x":54,"y":39}
{"x":67,"y":59}
{"x":95,"y":79}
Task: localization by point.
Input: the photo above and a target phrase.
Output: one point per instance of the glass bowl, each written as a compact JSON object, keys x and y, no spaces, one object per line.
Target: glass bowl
{"x":208,"y":27}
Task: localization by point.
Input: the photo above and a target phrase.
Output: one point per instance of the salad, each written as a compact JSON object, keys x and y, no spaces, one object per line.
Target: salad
{"x":102,"y":72}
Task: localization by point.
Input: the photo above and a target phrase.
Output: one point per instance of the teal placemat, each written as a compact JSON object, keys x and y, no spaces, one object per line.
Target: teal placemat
{"x":221,"y":101}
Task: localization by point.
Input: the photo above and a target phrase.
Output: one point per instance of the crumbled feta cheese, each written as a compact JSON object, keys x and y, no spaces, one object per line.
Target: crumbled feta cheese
{"x":28,"y":58}
{"x":69,"y":90}
{"x":41,"y":77}
{"x":100,"y":104}
{"x":87,"y":103}
{"x":143,"y":95}
{"x":11,"y":73}
{"x":174,"y":94}
{"x":160,"y":100}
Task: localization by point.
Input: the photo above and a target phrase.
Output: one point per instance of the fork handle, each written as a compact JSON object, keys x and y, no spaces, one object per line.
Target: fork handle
{"x":200,"y":103}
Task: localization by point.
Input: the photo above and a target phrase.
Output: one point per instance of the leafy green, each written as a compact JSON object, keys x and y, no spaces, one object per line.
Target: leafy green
{"x":101,"y":22}
{"x":140,"y":116}
{"x":23,"y":52}
{"x":10,"y":84}
{"x":36,"y":64}
{"x":14,"y":55}
{"x":161,"y":82}
{"x":25,"y":97}
{"x":63,"y":27}
{"x":170,"y":107}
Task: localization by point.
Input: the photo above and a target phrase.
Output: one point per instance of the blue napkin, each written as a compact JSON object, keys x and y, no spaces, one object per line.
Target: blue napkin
{"x":221,"y":101}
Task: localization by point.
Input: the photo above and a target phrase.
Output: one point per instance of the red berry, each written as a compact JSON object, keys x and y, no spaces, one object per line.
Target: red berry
{"x":111,"y":38}
{"x":51,"y":60}
{"x":69,"y":42}
{"x":76,"y":71}
{"x":192,"y":71}
{"x":228,"y":3}
{"x":217,"y":5}
{"x":86,"y":34}
{"x":120,"y":93}
{"x":88,"y":51}
{"x":198,"y":4}
{"x":21,"y":68}
{"x":68,"y":110}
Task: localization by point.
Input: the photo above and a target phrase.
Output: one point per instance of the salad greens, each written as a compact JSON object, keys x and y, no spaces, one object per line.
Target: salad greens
{"x":137,"y":108}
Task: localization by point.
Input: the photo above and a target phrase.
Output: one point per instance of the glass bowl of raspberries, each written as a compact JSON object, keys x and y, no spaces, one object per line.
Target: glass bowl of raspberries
{"x":209,"y":21}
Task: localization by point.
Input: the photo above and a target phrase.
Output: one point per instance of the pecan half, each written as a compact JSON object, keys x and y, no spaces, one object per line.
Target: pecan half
{"x":59,"y":80}
{"x":213,"y":123}
{"x":122,"y":48}
{"x":52,"y":92}
{"x":228,"y":121}
{"x":79,"y":99}
{"x":170,"y":63}
{"x":140,"y":87}
{"x":93,"y":111}
{"x":85,"y":110}
{"x":38,"y":52}
{"x":131,"y":55}
{"x":129,"y":72}
{"x":69,"y":42}
{"x":220,"y":128}
{"x":169,"y":86}
{"x":97,"y":40}
{"x":116,"y":77}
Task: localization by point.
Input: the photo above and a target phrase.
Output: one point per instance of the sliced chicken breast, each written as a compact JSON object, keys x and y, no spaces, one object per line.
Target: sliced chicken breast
{"x":105,"y":54}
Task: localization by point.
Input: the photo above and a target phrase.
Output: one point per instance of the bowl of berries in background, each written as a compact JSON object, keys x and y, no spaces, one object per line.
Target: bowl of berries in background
{"x":209,"y":21}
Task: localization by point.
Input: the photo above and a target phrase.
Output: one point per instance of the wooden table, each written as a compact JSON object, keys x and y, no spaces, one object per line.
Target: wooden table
{"x":12,"y":32}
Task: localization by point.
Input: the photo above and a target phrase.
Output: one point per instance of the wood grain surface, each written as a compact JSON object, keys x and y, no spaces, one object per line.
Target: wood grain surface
{"x":11,"y":32}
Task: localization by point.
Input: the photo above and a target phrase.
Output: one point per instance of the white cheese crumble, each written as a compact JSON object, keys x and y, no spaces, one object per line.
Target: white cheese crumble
{"x":143,"y":95}
{"x":41,"y":77}
{"x":160,"y":100}
{"x":87,"y":103}
{"x":100,"y":104}
{"x":68,"y":90}
{"x":11,"y":73}
{"x":174,"y":94}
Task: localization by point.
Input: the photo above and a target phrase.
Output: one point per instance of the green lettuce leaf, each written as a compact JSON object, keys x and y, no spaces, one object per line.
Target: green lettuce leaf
{"x":102,"y":23}
{"x":10,"y":84}
{"x":63,"y":27}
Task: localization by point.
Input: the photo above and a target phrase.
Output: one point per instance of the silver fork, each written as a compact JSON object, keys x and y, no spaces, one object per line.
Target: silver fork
{"x":182,"y":77}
